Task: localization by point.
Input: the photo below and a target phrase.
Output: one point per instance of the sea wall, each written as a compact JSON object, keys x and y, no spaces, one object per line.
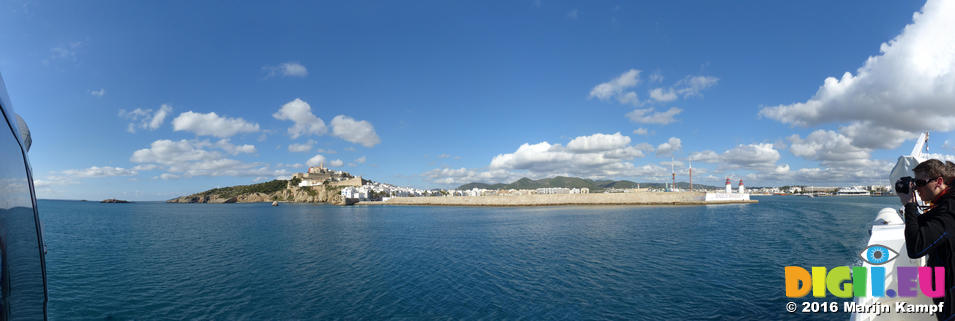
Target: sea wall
{"x":642,"y":198}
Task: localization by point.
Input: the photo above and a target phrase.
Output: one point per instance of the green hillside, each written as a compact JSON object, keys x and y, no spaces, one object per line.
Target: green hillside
{"x":233,"y":191}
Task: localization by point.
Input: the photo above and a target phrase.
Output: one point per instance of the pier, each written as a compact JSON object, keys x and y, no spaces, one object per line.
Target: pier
{"x":640,"y":198}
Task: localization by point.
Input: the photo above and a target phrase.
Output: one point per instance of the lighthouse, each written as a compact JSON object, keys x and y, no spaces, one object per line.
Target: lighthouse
{"x":729,"y":187}
{"x":741,"y":189}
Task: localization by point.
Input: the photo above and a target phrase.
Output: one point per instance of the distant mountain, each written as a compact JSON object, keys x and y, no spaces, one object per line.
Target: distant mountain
{"x":575,"y":182}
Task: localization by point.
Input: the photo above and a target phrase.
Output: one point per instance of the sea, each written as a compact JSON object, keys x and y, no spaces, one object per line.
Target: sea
{"x":252,"y":261}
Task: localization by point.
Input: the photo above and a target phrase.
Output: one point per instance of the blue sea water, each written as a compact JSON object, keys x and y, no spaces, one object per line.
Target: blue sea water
{"x":153,"y":261}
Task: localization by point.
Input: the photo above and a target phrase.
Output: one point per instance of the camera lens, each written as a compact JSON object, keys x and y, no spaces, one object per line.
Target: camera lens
{"x":902,"y":185}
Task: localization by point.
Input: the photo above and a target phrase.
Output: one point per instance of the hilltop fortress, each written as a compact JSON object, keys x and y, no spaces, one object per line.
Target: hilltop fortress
{"x":321,"y":176}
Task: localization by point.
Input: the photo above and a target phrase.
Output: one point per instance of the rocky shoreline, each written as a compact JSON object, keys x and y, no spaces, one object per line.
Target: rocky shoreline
{"x":317,"y":194}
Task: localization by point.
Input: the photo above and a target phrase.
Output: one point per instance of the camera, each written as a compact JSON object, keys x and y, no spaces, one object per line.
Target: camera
{"x":903,"y":185}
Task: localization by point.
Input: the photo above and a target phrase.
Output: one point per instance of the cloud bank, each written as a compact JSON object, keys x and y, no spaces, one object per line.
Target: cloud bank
{"x":891,"y":97}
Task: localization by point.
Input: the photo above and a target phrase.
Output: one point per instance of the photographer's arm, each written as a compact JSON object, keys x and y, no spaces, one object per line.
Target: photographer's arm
{"x":923,"y":232}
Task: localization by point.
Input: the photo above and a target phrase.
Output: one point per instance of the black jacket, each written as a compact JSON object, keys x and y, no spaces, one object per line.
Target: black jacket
{"x":931,"y":234}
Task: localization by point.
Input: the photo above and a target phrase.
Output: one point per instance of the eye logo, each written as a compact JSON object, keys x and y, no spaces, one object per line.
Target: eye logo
{"x":877,"y":254}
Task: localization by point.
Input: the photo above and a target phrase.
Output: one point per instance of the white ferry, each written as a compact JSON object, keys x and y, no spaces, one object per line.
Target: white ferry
{"x":852,"y":191}
{"x":22,"y":252}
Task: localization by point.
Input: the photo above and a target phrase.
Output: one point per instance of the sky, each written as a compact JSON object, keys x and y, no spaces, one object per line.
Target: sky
{"x":153,"y":100}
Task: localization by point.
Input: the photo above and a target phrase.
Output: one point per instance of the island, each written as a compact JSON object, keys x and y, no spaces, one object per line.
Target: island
{"x":323,"y":185}
{"x":318,"y":185}
{"x":112,"y":200}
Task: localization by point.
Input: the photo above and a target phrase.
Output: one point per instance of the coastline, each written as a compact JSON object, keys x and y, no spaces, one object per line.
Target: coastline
{"x":597,"y":199}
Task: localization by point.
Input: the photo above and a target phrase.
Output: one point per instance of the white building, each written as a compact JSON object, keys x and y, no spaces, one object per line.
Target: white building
{"x":553,"y":190}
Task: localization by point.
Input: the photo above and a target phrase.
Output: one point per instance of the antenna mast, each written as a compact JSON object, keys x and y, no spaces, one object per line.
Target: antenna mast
{"x":691,"y":173}
{"x":673,"y":171}
{"x":920,"y":145}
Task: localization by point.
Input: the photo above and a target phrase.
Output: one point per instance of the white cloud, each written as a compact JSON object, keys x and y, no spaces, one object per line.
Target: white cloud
{"x":904,"y":90}
{"x":287,"y":69}
{"x":617,"y":88}
{"x":444,"y":156}
{"x":669,"y":147}
{"x":145,"y":118}
{"x":573,"y":14}
{"x":300,"y":113}
{"x":841,"y":161}
{"x":828,"y":147}
{"x":98,"y":93}
{"x":228,"y":147}
{"x":355,"y":131}
{"x":212,"y":124}
{"x":188,"y":158}
{"x":706,"y":156}
{"x":51,"y":181}
{"x":595,"y":156}
{"x":315,"y":160}
{"x":168,"y":152}
{"x":629,"y":98}
{"x":689,"y":86}
{"x":752,"y":156}
{"x":326,"y":151}
{"x":145,"y":167}
{"x":640,"y":131}
{"x":450,"y":176}
{"x":649,"y":116}
{"x":672,"y":164}
{"x":66,"y":52}
{"x":298,"y":148}
{"x":874,"y":174}
{"x":693,"y":85}
{"x":160,"y":116}
{"x":866,"y":135}
{"x":663,"y":95}
{"x":458,"y":176}
{"x":96,"y":171}
{"x":284,"y":165}
{"x":757,"y":157}
{"x":598,"y":142}
{"x":361,"y":160}
{"x":656,"y":77}
{"x":336,"y":163}
{"x":557,"y":160}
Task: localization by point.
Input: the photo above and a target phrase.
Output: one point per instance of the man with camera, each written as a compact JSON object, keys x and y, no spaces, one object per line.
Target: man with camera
{"x":930,"y":233}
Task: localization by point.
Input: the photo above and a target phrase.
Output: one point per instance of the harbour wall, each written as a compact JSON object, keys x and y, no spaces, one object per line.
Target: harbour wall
{"x":641,"y":198}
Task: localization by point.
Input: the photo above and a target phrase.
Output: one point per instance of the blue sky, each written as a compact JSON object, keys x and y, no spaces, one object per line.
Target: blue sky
{"x":120,"y":96}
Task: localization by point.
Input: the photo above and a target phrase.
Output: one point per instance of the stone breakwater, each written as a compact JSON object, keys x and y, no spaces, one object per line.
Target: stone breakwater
{"x":640,"y":198}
